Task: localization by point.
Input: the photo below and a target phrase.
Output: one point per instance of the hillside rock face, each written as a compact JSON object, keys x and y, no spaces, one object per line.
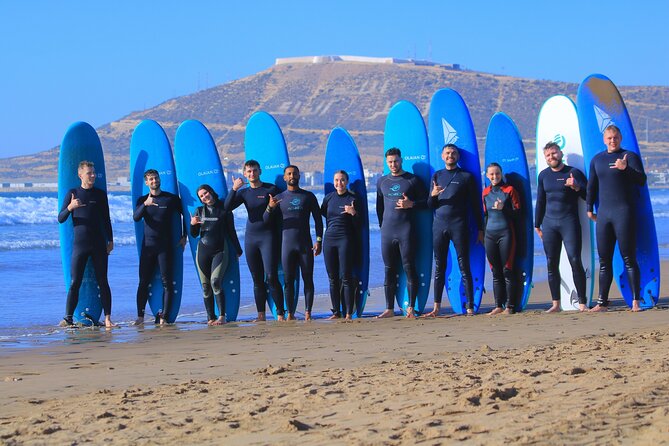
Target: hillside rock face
{"x":308,"y":100}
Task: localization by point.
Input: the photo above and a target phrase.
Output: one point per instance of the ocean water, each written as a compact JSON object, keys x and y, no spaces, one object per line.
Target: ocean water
{"x":33,"y":292}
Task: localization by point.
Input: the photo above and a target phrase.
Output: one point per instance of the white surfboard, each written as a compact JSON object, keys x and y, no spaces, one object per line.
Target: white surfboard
{"x":558,"y":122}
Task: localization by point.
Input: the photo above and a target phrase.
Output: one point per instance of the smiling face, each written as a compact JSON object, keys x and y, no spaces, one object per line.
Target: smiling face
{"x":494,"y":174}
{"x":252,"y":174}
{"x":152,"y":181}
{"x":205,"y":197}
{"x":612,"y":139}
{"x":553,"y":156}
{"x":340,"y":183}
{"x":450,"y":156}
{"x":87,"y":176}
{"x":394,"y":163}
{"x":292,"y":176}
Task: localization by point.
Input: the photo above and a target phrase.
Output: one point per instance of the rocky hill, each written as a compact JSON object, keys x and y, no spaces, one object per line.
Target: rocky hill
{"x":308,"y":100}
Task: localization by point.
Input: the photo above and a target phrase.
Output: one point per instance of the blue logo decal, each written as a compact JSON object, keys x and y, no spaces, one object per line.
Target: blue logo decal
{"x":395,"y":187}
{"x":295,"y":201}
{"x":560,"y":140}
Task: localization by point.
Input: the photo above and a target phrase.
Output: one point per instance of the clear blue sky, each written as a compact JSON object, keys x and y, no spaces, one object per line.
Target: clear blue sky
{"x":70,"y":60}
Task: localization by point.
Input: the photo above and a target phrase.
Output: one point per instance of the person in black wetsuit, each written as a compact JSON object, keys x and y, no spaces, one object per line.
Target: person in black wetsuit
{"x":158,"y":209}
{"x":262,"y":241}
{"x":293,"y":207}
{"x":342,"y":217}
{"x":216,"y":229}
{"x":615,"y":176}
{"x":500,"y":206}
{"x":454,"y":197}
{"x":93,"y":238}
{"x":397,"y":194}
{"x":556,"y":221}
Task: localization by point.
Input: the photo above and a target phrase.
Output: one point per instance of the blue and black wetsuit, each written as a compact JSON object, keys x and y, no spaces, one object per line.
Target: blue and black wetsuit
{"x":616,"y":191}
{"x":216,"y":229}
{"x":92,"y":232}
{"x":500,"y":241}
{"x":157,"y":246}
{"x":453,"y":207}
{"x":557,"y":216}
{"x":398,"y":238}
{"x":262,"y":242}
{"x":339,"y":247}
{"x":293,"y":210}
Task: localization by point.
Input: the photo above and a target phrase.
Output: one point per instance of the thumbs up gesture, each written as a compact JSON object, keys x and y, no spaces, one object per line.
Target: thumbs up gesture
{"x":621,"y":163}
{"x":570,"y":182}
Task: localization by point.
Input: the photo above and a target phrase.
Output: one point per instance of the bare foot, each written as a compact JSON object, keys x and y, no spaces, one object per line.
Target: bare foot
{"x":348,"y":317}
{"x":291,"y":317}
{"x":434,"y":313}
{"x":598,"y":309}
{"x":260,"y":318}
{"x":635,"y":306}
{"x":555,"y":308}
{"x":470,"y":312}
{"x":385,"y":314}
{"x":138,"y":321}
{"x":582,"y":307}
{"x":307,"y":315}
{"x":496,"y":310}
{"x":109,"y":323}
{"x":163,"y":321}
{"x":507,"y":310}
{"x":334,"y":316}
{"x":410,"y":313}
{"x":280,"y":318}
{"x":219,"y":321}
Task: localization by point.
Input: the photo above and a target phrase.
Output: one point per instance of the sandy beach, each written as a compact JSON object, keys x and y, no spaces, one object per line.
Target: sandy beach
{"x":530,"y":378}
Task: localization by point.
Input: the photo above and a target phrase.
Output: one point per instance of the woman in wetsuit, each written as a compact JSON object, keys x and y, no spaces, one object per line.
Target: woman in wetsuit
{"x":216,"y":229}
{"x":341,"y":215}
{"x":500,"y":204}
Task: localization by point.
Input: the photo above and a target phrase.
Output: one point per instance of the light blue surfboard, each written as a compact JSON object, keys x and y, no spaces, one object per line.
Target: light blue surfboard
{"x":405,"y":129}
{"x":150,"y":149}
{"x":341,"y":153}
{"x":558,"y":122}
{"x":505,"y":147}
{"x":264,"y":142}
{"x":600,"y":105}
{"x":80,"y":143}
{"x":449,"y":122}
{"x":197,"y":162}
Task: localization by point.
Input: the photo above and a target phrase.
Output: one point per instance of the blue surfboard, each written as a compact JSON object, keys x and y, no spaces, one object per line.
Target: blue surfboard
{"x":197,"y":162}
{"x":405,"y":129}
{"x":80,"y":143}
{"x":264,"y":142}
{"x":600,"y":105}
{"x":505,"y":146}
{"x":449,"y":122}
{"x":341,"y":153}
{"x":150,"y":149}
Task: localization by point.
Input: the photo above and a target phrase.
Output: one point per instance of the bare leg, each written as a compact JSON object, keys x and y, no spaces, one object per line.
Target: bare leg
{"x":496,"y":310}
{"x":635,"y":306}
{"x":555,"y":307}
{"x":307,"y":315}
{"x":435,"y":311}
{"x":385,"y":314}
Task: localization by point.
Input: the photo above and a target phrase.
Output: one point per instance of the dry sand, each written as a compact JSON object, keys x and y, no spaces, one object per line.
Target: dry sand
{"x":531,"y":378}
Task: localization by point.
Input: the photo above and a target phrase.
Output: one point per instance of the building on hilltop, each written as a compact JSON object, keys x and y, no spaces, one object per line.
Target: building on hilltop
{"x":362,"y":59}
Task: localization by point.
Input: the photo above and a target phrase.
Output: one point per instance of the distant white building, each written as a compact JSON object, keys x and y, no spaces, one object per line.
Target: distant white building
{"x":361,"y":59}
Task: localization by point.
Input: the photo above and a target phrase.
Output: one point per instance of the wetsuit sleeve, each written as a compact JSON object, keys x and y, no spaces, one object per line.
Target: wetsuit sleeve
{"x":581,"y":181}
{"x":232,"y":233}
{"x":324,"y":205}
{"x":232,"y":201}
{"x":379,"y":204}
{"x":540,"y":209}
{"x":184,"y":228}
{"x":485,"y":208}
{"x":357,"y":218}
{"x":318,"y":220}
{"x":195,"y":229}
{"x":432,"y":201}
{"x":64,"y":212}
{"x":271,"y":216}
{"x":515,"y":199}
{"x":593,"y":187}
{"x":635,"y":169}
{"x":420,"y":193}
{"x":139,"y":208}
{"x":106,"y":219}
{"x":475,"y":203}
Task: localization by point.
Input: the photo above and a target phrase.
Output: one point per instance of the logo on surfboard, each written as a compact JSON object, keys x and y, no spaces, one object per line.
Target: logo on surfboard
{"x":450,"y":134}
{"x":603,"y":119}
{"x":560,"y":140}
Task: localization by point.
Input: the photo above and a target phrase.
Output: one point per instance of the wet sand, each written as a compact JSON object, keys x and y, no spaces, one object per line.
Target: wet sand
{"x":530,"y":378}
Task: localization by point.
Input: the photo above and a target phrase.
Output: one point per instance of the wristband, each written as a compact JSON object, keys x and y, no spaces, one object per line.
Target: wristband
{"x":319,"y":239}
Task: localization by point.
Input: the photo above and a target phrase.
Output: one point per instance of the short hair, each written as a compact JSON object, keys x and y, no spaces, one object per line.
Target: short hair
{"x":289,"y":166}
{"x":83,"y":164}
{"x":251,"y":164}
{"x":551,"y":145}
{"x":149,"y":172}
{"x":613,"y":128}
{"x":343,"y":172}
{"x":451,"y":146}
{"x":393,"y":151}
{"x":493,"y":164}
{"x":209,"y":189}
